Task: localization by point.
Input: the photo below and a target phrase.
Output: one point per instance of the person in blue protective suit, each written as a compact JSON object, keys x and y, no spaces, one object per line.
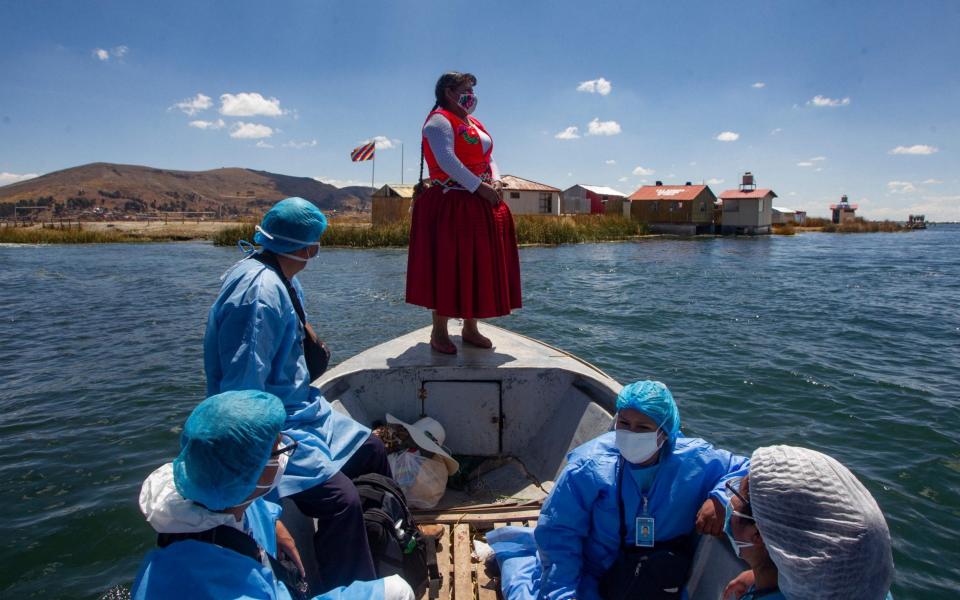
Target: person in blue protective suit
{"x":643,"y":487}
{"x":211,"y":496}
{"x":808,"y":529}
{"x":255,"y":339}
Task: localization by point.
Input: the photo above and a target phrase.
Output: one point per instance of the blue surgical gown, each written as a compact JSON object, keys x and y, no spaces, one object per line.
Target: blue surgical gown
{"x":197,"y":570}
{"x":254,"y":340}
{"x":577,"y":535}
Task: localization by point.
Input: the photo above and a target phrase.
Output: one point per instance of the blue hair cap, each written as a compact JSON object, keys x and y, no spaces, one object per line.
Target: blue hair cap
{"x":290,"y":225}
{"x":653,"y":399}
{"x":225,"y":445}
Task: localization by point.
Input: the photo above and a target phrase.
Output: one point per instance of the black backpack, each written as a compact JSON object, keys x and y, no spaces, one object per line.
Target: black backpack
{"x":397,"y":546}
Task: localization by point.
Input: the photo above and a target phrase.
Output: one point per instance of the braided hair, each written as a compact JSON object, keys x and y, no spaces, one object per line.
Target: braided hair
{"x":451,"y":79}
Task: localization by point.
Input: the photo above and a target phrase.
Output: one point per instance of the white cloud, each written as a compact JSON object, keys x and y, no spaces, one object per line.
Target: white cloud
{"x":805,"y":163}
{"x":249,"y":104}
{"x":250,"y":131}
{"x":901,"y":187}
{"x":570,"y":133}
{"x":383,"y":142}
{"x":823,"y":101}
{"x":598,"y":127}
{"x":818,"y":169}
{"x":263,"y":144}
{"x":715,"y":181}
{"x":192,"y":106}
{"x":622,"y":179}
{"x":341,"y":183}
{"x":931,"y":181}
{"x":300,"y":145}
{"x":218,"y":124}
{"x":610,"y":162}
{"x":595,"y":86}
{"x":727,"y":136}
{"x":104,"y":55}
{"x":818,"y":158}
{"x":641,"y":171}
{"x":8,"y":178}
{"x":759,"y":85}
{"x":916,"y":149}
{"x":935,"y":208}
{"x":775,"y":131}
{"x":693,"y":163}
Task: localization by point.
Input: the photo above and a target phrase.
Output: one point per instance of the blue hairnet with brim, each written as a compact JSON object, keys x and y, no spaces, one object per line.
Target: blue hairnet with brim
{"x":653,"y":399}
{"x":293,"y":223}
{"x":225,"y":445}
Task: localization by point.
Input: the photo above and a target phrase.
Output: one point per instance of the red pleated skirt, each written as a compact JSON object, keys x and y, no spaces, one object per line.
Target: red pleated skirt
{"x":463,"y":259}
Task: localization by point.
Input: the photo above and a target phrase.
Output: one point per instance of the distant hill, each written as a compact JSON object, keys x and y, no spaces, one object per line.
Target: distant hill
{"x":106,"y":187}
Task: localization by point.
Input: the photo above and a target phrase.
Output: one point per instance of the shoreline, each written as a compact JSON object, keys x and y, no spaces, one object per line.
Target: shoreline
{"x":532,"y":231}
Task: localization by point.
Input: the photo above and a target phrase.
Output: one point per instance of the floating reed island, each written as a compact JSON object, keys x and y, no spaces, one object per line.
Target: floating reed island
{"x":532,"y":230}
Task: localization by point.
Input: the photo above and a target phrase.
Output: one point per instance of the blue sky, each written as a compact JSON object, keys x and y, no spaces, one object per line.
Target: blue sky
{"x":817,"y":98}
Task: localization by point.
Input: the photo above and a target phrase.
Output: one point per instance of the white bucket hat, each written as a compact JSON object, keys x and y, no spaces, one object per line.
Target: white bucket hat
{"x":428,"y":434}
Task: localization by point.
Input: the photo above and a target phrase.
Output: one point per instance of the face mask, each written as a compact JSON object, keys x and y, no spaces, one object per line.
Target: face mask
{"x":468,"y":102}
{"x":728,"y":529}
{"x":275,"y":236}
{"x":280,"y":463}
{"x":637,"y":447}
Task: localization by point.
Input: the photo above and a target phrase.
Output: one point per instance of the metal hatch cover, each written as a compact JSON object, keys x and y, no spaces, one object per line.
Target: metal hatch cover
{"x":469,"y":412}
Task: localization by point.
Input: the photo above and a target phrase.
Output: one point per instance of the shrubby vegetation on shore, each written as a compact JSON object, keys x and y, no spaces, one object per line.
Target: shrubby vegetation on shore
{"x":75,"y":234}
{"x":531,"y":229}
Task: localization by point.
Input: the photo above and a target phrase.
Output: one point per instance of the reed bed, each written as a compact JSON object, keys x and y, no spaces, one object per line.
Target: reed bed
{"x":340,"y":235}
{"x":72,"y":235}
{"x":784,"y":229}
{"x":865,"y":227}
{"x":531,"y":229}
{"x":575,"y":229}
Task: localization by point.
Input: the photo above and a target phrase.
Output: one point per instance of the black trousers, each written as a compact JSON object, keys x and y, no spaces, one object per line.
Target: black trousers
{"x":343,"y":554}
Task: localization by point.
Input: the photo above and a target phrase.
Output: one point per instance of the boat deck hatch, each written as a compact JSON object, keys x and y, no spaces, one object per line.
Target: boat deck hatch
{"x":470,"y":412}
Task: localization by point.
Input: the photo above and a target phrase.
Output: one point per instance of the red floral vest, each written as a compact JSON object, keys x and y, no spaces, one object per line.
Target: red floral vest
{"x":466,"y":145}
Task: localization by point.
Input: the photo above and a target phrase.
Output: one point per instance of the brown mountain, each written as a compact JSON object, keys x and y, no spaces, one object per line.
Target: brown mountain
{"x":113,"y":188}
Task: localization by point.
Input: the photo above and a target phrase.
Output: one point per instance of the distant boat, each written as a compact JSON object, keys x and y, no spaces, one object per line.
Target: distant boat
{"x":518,"y":409}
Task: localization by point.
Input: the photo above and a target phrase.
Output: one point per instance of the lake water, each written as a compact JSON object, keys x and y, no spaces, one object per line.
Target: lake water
{"x":849,"y":344}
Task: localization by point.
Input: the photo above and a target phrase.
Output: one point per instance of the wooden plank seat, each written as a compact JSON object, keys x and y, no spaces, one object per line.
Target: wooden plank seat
{"x":462,"y":576}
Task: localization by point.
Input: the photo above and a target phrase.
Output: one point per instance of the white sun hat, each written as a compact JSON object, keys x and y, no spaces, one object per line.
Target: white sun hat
{"x":428,"y":434}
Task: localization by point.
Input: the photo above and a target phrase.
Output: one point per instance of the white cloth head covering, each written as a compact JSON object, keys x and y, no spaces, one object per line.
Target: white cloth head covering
{"x":429,"y":434}
{"x":821,"y":527}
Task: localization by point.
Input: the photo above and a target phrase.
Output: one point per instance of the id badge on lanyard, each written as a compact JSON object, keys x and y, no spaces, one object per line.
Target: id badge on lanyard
{"x":644,"y":531}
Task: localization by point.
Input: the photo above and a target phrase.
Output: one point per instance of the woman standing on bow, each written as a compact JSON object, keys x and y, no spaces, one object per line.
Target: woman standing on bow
{"x":463,"y":261}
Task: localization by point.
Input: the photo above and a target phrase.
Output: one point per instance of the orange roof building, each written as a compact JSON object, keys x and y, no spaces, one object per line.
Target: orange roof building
{"x":680,"y":209}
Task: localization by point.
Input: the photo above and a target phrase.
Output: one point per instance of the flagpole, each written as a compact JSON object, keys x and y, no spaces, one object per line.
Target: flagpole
{"x":401,"y":163}
{"x":373,"y":170}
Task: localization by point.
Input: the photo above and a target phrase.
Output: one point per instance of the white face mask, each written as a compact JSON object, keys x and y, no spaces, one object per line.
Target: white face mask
{"x":637,"y":447}
{"x":274,"y":236}
{"x":280,"y":462}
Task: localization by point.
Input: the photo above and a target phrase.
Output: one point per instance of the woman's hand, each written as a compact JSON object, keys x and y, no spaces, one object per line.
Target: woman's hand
{"x":739,"y":585}
{"x":488,"y":193}
{"x":286,"y":545}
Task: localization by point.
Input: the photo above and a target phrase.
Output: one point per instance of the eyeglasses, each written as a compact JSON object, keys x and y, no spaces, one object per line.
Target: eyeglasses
{"x":288,"y":447}
{"x":733,"y":486}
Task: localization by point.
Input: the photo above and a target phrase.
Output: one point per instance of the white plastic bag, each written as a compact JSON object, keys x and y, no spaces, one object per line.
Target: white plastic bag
{"x":423,"y":480}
